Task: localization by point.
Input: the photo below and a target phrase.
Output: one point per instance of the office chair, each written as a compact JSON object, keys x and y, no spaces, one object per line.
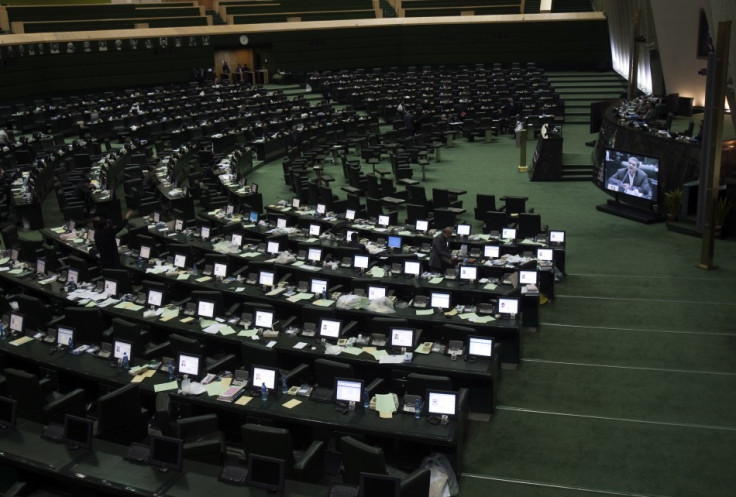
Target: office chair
{"x":494,"y":221}
{"x":276,"y":442}
{"x":418,"y":384}
{"x":256,"y":353}
{"x":444,"y":217}
{"x":203,"y":439}
{"x":39,"y":314}
{"x":529,"y":225}
{"x":353,"y":202}
{"x":417,"y":211}
{"x":121,"y":276}
{"x":90,"y":325}
{"x":359,"y":457}
{"x":28,"y":250}
{"x":119,"y":415}
{"x":483,"y":204}
{"x":54,"y":261}
{"x":213,"y":363}
{"x":514,"y":205}
{"x":141,"y":339}
{"x":373,"y":207}
{"x":442,"y":198}
{"x":37,"y":399}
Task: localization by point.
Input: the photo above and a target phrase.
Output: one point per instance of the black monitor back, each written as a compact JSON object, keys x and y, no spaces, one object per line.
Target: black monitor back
{"x":119,"y":416}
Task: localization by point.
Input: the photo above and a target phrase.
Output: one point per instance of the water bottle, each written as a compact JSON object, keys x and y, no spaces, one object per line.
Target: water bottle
{"x":171,"y":370}
{"x":284,"y":387}
{"x":194,"y":269}
{"x":264,"y":392}
{"x":140,"y":261}
{"x":126,"y":361}
{"x":70,"y":345}
{"x":417,"y":408}
{"x":366,"y":400}
{"x":2,"y":332}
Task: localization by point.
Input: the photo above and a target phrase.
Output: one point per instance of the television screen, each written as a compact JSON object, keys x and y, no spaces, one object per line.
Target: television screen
{"x":155,"y":298}
{"x":508,"y":233}
{"x":64,"y":335}
{"x":314,"y":254}
{"x":263,"y":319}
{"x":330,"y":328}
{"x":179,"y":224}
{"x":166,"y":453}
{"x":16,"y":322}
{"x":545,"y":254}
{"x":348,"y":390}
{"x":422,"y":225}
{"x":360,"y":261}
{"x":266,"y":472}
{"x":469,"y":273}
{"x":321,"y":209}
{"x":383,"y":220}
{"x":440,"y":300}
{"x":262,"y":374}
{"x":349,"y":214}
{"x":189,"y":364}
{"x":295,"y":202}
{"x":180,"y":261}
{"x":40,"y":265}
{"x":480,"y":346}
{"x":412,"y":267}
{"x":635,"y":175}
{"x":556,"y":236}
{"x":236,"y":239}
{"x":508,"y":306}
{"x":205,"y":232}
{"x":265,"y":278}
{"x":491,"y":251}
{"x":349,"y":235}
{"x":272,"y":247}
{"x":463,"y":229}
{"x":220,"y":270}
{"x":441,"y":403}
{"x":229,"y":209}
{"x":527,"y":277}
{"x":318,"y":286}
{"x":206,"y":309}
{"x":145,"y":252}
{"x":281,"y":222}
{"x":402,"y":337}
{"x":111,"y":287}
{"x":314,"y":229}
{"x":253,"y":217}
{"x":376,"y":292}
{"x":72,"y":276}
{"x":394,"y":242}
{"x":120,"y":348}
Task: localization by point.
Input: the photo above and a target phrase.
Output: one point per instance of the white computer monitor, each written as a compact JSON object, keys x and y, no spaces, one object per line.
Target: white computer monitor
{"x":469,"y":273}
{"x":16,"y":322}
{"x":545,"y":254}
{"x":376,"y":292}
{"x":178,"y":225}
{"x":318,"y":286}
{"x":321,"y":209}
{"x":145,"y":252}
{"x":206,"y":309}
{"x":155,"y":297}
{"x":349,"y":235}
{"x":263,"y":319}
{"x":64,"y":335}
{"x":265,"y":278}
{"x":281,"y":222}
{"x":262,"y":375}
{"x":491,"y":251}
{"x":220,"y":270}
{"x":330,"y":328}
{"x":121,"y":347}
{"x":72,"y":276}
{"x":361,"y":261}
{"x":236,"y":239}
{"x":383,"y":220}
{"x":111,"y":287}
{"x":347,"y":390}
{"x":350,"y":214}
{"x":272,"y":247}
{"x":402,"y":337}
{"x":527,"y":277}
{"x":91,"y":235}
{"x":14,"y":254}
{"x":463,"y":229}
{"x":508,"y":306}
{"x":156,"y":217}
{"x":180,"y":260}
{"x":441,"y":403}
{"x":314,"y":229}
{"x":295,"y":203}
{"x":204,"y":232}
{"x":229,"y":209}
{"x":413,"y":268}
{"x":556,"y":236}
{"x":40,"y":265}
{"x":314,"y":254}
{"x":440,"y":300}
{"x":189,"y":364}
{"x":422,"y":225}
{"x":480,"y":346}
{"x":508,"y":233}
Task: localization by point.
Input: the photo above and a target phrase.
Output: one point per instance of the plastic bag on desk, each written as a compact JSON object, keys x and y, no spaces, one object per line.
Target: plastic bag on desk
{"x":443,"y":482}
{"x":350,"y":302}
{"x":382,"y":305}
{"x":189,"y":387}
{"x":285,"y":258}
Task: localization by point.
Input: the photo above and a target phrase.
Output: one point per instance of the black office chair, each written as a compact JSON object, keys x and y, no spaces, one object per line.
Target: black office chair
{"x":141,"y":341}
{"x":38,"y":400}
{"x":90,"y":325}
{"x":529,"y":225}
{"x":213,"y":363}
{"x":514,"y":205}
{"x":54,"y":260}
{"x":443,"y":218}
{"x":28,"y":250}
{"x":495,"y":221}
{"x":442,"y":198}
{"x":120,"y":417}
{"x":121,"y":277}
{"x":203,"y":439}
{"x":373,"y":207}
{"x":257,"y":353}
{"x":483,"y":204}
{"x":276,"y":442}
{"x":359,"y":457}
{"x":417,"y":211}
{"x":418,"y":383}
{"x":38,"y":314}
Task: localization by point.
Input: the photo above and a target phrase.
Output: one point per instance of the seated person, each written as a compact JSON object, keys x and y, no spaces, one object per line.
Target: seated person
{"x":355,"y":242}
{"x":631,"y":179}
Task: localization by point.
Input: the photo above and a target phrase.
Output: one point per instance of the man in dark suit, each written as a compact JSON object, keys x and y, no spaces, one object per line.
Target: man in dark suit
{"x":440,"y":256}
{"x":631,"y":179}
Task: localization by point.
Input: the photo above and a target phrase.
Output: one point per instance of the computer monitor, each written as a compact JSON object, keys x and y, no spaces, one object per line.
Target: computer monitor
{"x":264,"y":374}
{"x":236,"y":239}
{"x":394,"y":242}
{"x":265,"y":278}
{"x":349,"y":235}
{"x":441,"y":403}
{"x":145,"y":252}
{"x":469,"y":273}
{"x":166,"y":453}
{"x":422,"y":225}
{"x":350,"y":214}
{"x":72,"y":276}
{"x":91,"y":235}
{"x":361,"y":261}
{"x":413,"y":268}
{"x":508,"y":306}
{"x":557,"y":237}
{"x":402,"y":337}
{"x":263,"y":319}
{"x":372,"y":484}
{"x":266,"y":472}
{"x":206,"y":309}
{"x":295,"y":203}
{"x":321,"y":209}
{"x":180,"y":261}
{"x":155,"y":297}
{"x":281,"y":223}
{"x":14,"y":254}
{"x":376,"y":292}
{"x":64,"y":335}
{"x":8,"y":413}
{"x":508,"y":233}
{"x":314,"y":229}
{"x":40,"y":265}
{"x":463,"y":230}
{"x":121,"y":347}
{"x":220,"y":270}
{"x":314,"y":254}
{"x":189,"y":364}
{"x":348,"y":390}
{"x":204,"y":232}
{"x":383,"y":220}
{"x":272,"y":247}
{"x":253,"y":217}
{"x":16,"y":322}
{"x":318,"y":286}
{"x":330,"y":328}
{"x":439,"y":300}
{"x":491,"y":251}
{"x":78,"y":432}
{"x":111,"y":287}
{"x":527,"y":277}
{"x":480,"y":346}
{"x":545,"y":254}
{"x":178,"y":225}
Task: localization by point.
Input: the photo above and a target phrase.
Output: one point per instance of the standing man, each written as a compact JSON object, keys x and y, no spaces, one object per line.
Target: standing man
{"x":440,"y":256}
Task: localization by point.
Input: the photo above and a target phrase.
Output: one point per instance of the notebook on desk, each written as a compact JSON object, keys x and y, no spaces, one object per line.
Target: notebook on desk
{"x":138,"y":453}
{"x":322,"y":394}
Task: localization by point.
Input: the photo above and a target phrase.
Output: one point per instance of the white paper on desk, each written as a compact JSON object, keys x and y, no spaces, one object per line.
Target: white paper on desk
{"x":425,"y":312}
{"x":300,"y":345}
{"x":483,"y":236}
{"x":467,"y":315}
{"x":377,"y":354}
{"x":385,"y":402}
{"x":300,"y":296}
{"x":436,"y":280}
{"x":482,"y":319}
{"x":44,"y":282}
{"x":312,"y":239}
{"x":240,"y":289}
{"x":391,"y":359}
{"x":333,"y":349}
{"x":276,"y":291}
{"x":352,"y":350}
{"x":4,"y":268}
{"x":164,"y":387}
{"x":377,"y":272}
{"x":156,"y":269}
{"x":298,"y":263}
{"x":248,"y":333}
{"x":167,"y":313}
{"x":213,"y":328}
{"x":16,"y":271}
{"x":107,"y":302}
{"x":490,"y":286}
{"x":250,"y":254}
{"x":323,"y":302}
{"x":226,"y":330}
{"x":183,"y":276}
{"x":405,"y":233}
{"x":271,"y":344}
